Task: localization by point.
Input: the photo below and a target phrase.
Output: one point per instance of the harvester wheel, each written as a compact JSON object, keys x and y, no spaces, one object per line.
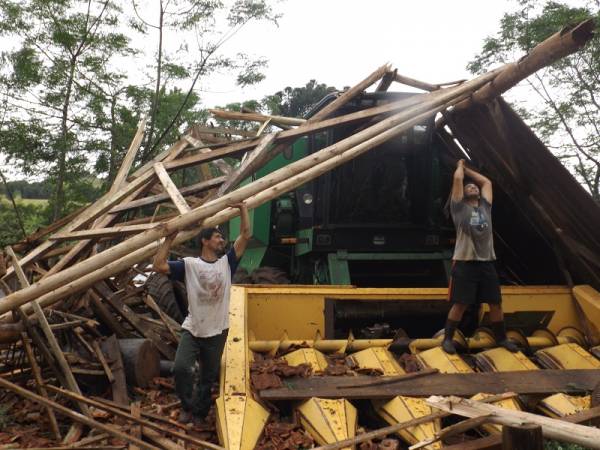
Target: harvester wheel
{"x":262,"y":275}
{"x":160,"y":288}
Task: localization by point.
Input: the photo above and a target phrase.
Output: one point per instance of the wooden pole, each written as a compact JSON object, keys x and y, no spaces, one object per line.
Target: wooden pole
{"x":527,"y":436}
{"x":563,"y":43}
{"x":41,"y":387}
{"x":146,"y":423}
{"x":71,"y":383}
{"x":78,"y":417}
{"x":373,"y":135}
{"x":551,"y":428}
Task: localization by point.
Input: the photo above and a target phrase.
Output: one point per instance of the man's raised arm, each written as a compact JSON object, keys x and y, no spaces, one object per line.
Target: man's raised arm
{"x":457,"y":181}
{"x":484,"y":183}
{"x":160,"y":263}
{"x":245,"y":230}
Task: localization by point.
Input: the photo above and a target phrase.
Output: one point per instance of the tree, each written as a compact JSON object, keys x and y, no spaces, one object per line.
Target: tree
{"x":568,"y":117}
{"x":207,"y":24}
{"x":63,"y":53}
{"x":296,"y":102}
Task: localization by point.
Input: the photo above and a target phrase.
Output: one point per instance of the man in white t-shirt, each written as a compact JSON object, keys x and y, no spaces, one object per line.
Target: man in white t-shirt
{"x":208,"y":281}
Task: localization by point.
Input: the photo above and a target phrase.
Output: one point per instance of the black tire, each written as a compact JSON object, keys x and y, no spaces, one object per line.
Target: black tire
{"x":262,"y":275}
{"x":160,"y":288}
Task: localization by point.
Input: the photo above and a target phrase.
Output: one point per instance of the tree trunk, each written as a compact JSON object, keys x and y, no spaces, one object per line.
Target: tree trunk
{"x":141,"y":361}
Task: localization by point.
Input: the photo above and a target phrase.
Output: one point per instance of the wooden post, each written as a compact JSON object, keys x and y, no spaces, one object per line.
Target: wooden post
{"x":39,"y":381}
{"x":72,"y":414}
{"x":71,"y":383}
{"x":527,"y":436}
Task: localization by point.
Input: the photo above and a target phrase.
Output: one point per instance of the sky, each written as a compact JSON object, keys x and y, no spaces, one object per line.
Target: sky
{"x":340,"y":42}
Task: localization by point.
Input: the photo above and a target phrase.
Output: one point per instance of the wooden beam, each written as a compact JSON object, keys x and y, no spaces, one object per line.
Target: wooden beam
{"x":96,"y":233}
{"x":129,"y":158}
{"x":255,"y":117}
{"x":40,"y":385}
{"x":119,"y":386}
{"x":171,"y":189}
{"x":248,"y":165}
{"x":552,"y":428}
{"x":463,"y":384}
{"x":146,"y":423}
{"x":351,"y":442}
{"x":80,"y":418}
{"x":154,"y":199}
{"x":59,"y":356}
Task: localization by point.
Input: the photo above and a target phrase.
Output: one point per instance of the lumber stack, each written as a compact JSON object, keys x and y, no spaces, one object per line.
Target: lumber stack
{"x":75,"y":320}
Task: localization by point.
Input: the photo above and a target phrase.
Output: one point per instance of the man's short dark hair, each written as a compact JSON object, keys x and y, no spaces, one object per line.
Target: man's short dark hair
{"x":207,"y":233}
{"x":469,"y":181}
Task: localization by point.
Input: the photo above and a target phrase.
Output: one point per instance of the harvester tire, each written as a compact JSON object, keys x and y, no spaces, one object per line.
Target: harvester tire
{"x":160,"y":288}
{"x":262,"y":275}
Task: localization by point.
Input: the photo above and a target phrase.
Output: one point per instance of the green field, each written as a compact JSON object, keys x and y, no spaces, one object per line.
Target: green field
{"x":25,"y":201}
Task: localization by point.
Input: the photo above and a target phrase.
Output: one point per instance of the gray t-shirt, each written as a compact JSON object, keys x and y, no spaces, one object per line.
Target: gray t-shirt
{"x":474,"y":237}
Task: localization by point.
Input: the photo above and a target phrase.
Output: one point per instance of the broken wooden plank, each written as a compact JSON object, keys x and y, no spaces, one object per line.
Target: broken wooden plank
{"x":95,"y":233}
{"x":80,"y":418}
{"x":59,"y":357}
{"x":119,"y":386}
{"x":552,"y":428}
{"x":248,"y":165}
{"x":128,"y":314}
{"x":171,"y":188}
{"x":351,"y":442}
{"x":154,"y":199}
{"x":171,"y":324}
{"x":40,"y":385}
{"x":463,"y":384}
{"x":256,"y":117}
{"x":145,"y":423}
{"x":102,"y":359}
{"x":127,"y":162}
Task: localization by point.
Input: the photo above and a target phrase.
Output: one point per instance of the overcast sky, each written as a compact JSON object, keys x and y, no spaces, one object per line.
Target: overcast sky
{"x":339,"y":42}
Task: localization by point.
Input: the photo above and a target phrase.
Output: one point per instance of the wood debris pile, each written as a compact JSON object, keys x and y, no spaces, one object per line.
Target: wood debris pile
{"x":80,"y":338}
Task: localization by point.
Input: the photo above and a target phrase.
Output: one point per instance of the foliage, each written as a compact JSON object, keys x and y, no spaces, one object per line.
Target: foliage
{"x":296,"y":102}
{"x":34,"y":216}
{"x":567,"y":118}
{"x":555,"y":445}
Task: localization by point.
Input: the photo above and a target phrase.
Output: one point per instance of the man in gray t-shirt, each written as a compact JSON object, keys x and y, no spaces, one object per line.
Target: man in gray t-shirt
{"x":474,"y":279}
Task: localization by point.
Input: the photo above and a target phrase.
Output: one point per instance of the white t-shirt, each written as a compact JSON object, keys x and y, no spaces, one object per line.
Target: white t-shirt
{"x":208,"y":286}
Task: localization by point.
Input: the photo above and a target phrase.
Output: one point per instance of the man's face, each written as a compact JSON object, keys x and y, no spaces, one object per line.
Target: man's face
{"x":216,"y":243}
{"x":471,"y":191}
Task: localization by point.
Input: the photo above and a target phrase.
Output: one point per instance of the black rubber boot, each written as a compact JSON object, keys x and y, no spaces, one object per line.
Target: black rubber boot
{"x":447,"y":343}
{"x":501,"y":340}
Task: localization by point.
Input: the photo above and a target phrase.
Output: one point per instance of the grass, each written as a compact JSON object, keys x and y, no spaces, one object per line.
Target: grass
{"x":25,"y":201}
{"x":555,"y":445}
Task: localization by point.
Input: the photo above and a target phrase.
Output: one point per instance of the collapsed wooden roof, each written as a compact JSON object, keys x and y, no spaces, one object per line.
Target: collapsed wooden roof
{"x":498,"y":141}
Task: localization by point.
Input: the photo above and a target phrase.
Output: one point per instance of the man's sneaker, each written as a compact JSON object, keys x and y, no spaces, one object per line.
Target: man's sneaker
{"x":509,"y":345}
{"x":448,"y":346}
{"x":184,"y":417}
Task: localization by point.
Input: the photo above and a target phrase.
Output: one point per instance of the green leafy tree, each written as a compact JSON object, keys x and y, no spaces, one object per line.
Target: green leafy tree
{"x":568,"y":117}
{"x":206,"y":25}
{"x":296,"y":102}
{"x":63,"y":52}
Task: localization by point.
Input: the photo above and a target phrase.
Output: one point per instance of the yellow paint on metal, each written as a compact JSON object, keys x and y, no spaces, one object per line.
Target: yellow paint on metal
{"x":240,"y":423}
{"x":508,"y":403}
{"x":309,"y":356}
{"x":561,"y":405}
{"x":328,"y":421}
{"x":501,"y":360}
{"x":402,"y":409}
{"x":436,"y":358}
{"x":298,"y":310}
{"x":323,"y":345}
{"x":589,"y":300}
{"x":567,"y":356}
{"x":377,"y":358}
{"x":240,"y":419}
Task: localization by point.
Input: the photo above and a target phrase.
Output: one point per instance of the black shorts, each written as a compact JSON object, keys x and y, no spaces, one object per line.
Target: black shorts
{"x":474,"y":282}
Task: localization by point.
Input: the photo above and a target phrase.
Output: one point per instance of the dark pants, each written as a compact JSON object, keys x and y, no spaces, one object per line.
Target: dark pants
{"x":208,"y":352}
